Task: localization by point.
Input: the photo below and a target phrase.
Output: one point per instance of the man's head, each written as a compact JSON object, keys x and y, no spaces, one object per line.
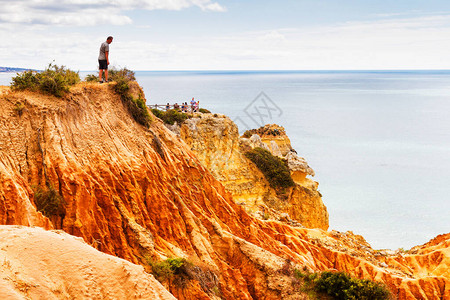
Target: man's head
{"x":109,"y":39}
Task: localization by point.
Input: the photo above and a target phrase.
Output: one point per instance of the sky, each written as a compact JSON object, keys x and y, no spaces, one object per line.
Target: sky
{"x":227,"y":34}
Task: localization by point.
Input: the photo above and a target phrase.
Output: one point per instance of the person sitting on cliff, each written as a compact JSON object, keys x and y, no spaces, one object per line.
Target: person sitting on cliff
{"x":176,"y":107}
{"x":103,"y":59}
{"x":183,"y":107}
{"x":167,"y":106}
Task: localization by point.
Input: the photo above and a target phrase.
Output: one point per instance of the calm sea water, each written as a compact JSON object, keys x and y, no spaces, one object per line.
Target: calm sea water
{"x":378,"y":141}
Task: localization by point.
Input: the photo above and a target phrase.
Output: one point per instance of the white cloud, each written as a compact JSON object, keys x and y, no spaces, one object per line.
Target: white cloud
{"x":402,"y":43}
{"x":214,"y":7}
{"x":88,"y":13}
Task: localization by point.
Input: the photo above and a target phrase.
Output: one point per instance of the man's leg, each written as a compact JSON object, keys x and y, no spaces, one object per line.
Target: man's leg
{"x":100,"y":73}
{"x":106,"y":75}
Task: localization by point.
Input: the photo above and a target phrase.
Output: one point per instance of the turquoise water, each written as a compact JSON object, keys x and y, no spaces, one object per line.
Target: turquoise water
{"x":378,"y":141}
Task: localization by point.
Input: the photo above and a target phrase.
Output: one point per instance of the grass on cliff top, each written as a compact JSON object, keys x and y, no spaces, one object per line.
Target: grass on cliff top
{"x":54,"y":80}
{"x":275,"y":169}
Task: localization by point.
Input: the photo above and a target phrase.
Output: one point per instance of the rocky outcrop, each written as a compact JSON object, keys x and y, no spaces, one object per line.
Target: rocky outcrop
{"x":275,"y":137}
{"x":217,"y":144}
{"x":298,"y":166}
{"x":215,"y":141}
{"x":132,"y":192}
{"x":39,"y":264}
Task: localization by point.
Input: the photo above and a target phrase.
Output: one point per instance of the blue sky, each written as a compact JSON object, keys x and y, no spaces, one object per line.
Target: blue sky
{"x":221,"y":35}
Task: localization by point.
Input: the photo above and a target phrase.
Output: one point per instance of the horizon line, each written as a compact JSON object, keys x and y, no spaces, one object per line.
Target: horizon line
{"x":15,"y":69}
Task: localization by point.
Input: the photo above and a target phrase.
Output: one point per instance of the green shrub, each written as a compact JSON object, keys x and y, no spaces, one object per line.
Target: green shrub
{"x":161,"y":270}
{"x":27,"y":80}
{"x":265,"y":131}
{"x":204,"y":111}
{"x":171,"y":268}
{"x":122,"y":87}
{"x":49,"y":202}
{"x":341,"y":286}
{"x":171,"y":116}
{"x":157,"y":113}
{"x":247,"y":134}
{"x":54,"y":80}
{"x":299,"y":274}
{"x":181,"y":271}
{"x":136,"y":106}
{"x":91,"y":78}
{"x":274,"y":168}
{"x":115,"y":74}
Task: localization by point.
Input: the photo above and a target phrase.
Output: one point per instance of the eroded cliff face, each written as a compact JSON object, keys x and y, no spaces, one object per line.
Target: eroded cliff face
{"x":134,"y":192}
{"x":216,"y":142}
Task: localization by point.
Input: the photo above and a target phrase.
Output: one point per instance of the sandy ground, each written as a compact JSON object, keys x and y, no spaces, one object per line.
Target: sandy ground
{"x":40,"y":264}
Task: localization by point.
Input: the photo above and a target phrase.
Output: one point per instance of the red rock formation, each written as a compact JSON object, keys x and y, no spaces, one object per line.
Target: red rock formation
{"x":132,"y":191}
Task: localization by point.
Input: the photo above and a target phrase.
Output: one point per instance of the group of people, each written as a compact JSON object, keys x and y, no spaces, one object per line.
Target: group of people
{"x":194,"y":107}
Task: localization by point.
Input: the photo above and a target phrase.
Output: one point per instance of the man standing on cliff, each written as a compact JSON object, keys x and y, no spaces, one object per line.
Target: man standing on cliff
{"x":103,"y":59}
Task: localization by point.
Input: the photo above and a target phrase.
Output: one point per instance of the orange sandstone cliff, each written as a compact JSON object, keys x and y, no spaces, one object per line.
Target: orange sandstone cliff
{"x":134,"y":192}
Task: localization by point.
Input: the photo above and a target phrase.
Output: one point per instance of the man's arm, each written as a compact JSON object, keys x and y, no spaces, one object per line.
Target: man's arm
{"x":107,"y":56}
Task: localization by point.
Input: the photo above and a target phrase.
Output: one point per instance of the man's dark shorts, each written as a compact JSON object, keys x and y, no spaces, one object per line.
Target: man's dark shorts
{"x":103,"y":64}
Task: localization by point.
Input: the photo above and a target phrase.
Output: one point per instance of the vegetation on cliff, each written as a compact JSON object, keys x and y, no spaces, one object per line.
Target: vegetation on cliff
{"x":274,"y":168}
{"x":181,"y":271}
{"x":48,"y":201}
{"x":341,"y":286}
{"x":136,"y":106}
{"x":54,"y":80}
{"x":204,"y":111}
{"x":334,"y":285}
{"x":114,"y":74}
{"x":171,"y":116}
{"x":265,"y":130}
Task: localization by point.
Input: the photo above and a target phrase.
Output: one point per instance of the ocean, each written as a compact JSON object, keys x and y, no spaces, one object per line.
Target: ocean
{"x":379,"y":141}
